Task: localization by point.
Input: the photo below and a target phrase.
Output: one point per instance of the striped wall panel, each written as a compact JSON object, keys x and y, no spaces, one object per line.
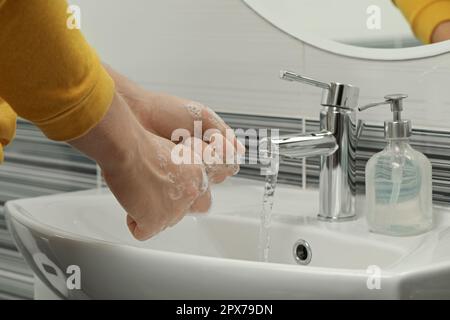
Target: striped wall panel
{"x":434,"y":144}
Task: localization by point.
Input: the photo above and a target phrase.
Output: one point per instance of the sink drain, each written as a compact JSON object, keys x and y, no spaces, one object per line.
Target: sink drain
{"x":302,"y":252}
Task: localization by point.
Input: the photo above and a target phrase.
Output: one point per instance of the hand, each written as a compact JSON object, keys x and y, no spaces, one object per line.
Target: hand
{"x":162,"y":114}
{"x":441,"y":33}
{"x":137,"y":166}
{"x":156,"y":192}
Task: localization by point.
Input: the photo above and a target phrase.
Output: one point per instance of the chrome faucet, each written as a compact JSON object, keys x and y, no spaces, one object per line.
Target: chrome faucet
{"x":335,"y":143}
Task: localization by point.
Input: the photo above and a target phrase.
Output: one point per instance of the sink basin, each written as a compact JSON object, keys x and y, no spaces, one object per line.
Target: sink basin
{"x":215,"y":256}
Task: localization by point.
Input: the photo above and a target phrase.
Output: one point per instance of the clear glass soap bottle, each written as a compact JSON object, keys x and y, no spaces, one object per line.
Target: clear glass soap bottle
{"x":398,"y":180}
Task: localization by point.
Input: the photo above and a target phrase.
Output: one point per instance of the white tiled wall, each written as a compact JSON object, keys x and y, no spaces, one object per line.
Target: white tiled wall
{"x":221,"y":53}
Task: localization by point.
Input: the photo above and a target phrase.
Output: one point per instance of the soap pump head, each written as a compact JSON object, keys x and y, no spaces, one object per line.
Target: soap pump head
{"x":397,"y":128}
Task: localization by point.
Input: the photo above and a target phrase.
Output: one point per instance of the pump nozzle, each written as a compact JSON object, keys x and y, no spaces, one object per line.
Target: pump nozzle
{"x":397,"y":128}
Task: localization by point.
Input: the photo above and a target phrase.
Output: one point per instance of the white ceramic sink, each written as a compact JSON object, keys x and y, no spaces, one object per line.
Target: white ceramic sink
{"x":215,"y":255}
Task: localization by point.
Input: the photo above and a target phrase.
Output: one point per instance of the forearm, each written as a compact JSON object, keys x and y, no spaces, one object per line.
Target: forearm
{"x":134,"y":92}
{"x":146,"y":105}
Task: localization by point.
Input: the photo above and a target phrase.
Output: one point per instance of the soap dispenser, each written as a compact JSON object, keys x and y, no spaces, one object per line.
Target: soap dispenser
{"x":398,"y":180}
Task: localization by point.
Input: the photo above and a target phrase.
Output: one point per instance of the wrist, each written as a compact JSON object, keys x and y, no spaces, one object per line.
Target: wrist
{"x":140,"y":101}
{"x":113,"y":140}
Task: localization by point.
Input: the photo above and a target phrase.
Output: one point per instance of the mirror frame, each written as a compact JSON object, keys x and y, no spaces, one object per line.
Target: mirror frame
{"x":335,"y":47}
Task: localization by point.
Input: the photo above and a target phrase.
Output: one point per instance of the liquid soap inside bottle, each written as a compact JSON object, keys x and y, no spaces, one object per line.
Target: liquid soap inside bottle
{"x":398,"y":190}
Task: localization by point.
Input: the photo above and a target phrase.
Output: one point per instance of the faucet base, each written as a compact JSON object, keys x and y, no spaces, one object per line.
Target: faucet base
{"x":336,"y":219}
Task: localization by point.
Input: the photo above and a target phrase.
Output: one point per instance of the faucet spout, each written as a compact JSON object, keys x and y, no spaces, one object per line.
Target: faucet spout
{"x":296,"y":146}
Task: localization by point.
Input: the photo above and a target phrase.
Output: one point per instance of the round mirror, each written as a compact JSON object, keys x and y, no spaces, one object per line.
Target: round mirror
{"x":360,"y":28}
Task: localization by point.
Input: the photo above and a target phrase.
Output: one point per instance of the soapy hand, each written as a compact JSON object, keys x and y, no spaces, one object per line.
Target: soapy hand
{"x":162,"y":114}
{"x":157,"y":192}
{"x":133,"y":147}
{"x":154,"y":191}
{"x":186,"y":115}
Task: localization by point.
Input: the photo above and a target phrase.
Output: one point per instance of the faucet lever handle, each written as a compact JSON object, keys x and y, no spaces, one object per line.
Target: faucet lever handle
{"x":334,"y":94}
{"x":292,"y":76}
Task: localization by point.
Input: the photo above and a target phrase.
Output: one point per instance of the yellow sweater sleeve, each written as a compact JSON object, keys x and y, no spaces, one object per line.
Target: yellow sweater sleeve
{"x":7,"y":125}
{"x":48,"y":73}
{"x":424,"y":15}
